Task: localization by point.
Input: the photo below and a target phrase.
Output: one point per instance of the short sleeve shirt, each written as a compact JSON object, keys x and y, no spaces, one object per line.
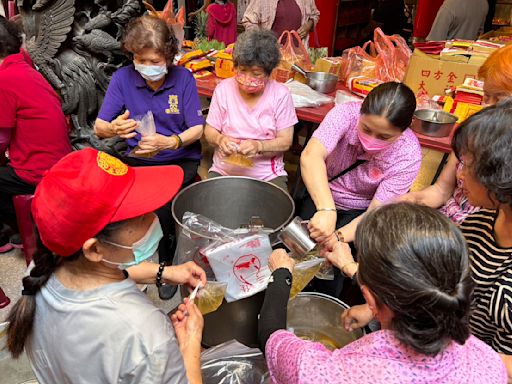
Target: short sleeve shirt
{"x":491,"y":267}
{"x":385,"y":176}
{"x":175,"y":106}
{"x":112,"y":334}
{"x":32,"y":110}
{"x":230,"y":115}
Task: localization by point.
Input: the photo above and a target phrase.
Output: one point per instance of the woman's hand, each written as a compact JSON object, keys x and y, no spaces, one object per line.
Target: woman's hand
{"x":305,"y":29}
{"x":322,"y":225}
{"x":189,"y":274}
{"x":155,"y":143}
{"x":188,"y":324}
{"x":123,"y":126}
{"x":340,"y":256}
{"x":356,"y":317}
{"x":250,"y":147}
{"x":228,"y":145}
{"x":280,"y":259}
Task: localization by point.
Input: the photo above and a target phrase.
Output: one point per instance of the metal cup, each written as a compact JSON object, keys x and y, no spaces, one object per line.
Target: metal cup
{"x":296,"y":238}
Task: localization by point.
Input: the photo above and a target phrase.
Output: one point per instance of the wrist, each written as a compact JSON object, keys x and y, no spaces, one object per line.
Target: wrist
{"x":260,"y":146}
{"x":172,"y":142}
{"x":350,"y":269}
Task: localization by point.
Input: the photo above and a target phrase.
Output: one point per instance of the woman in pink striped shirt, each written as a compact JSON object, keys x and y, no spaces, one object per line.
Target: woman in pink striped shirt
{"x":414,"y":274}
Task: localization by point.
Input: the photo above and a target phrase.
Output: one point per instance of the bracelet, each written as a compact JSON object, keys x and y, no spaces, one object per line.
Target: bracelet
{"x":180,"y":142}
{"x":159,"y":274}
{"x":260,"y":146}
{"x":339,"y":235}
{"x":327,"y":210}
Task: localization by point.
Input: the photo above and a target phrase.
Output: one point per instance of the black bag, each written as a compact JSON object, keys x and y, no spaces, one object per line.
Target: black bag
{"x":300,"y":193}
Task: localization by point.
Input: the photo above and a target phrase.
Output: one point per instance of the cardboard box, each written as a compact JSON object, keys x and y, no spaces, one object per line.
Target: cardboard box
{"x":429,"y":73}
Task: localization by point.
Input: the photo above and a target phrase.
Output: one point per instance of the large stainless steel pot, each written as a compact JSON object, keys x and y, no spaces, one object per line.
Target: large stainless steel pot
{"x":322,"y":82}
{"x":317,"y":317}
{"x":232,"y":201}
{"x":433,"y":123}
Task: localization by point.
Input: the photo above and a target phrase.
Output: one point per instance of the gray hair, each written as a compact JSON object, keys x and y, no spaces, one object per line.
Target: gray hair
{"x":257,"y":48}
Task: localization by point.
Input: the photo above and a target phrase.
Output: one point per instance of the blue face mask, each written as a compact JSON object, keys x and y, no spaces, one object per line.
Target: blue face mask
{"x":142,"y":249}
{"x":151,"y":72}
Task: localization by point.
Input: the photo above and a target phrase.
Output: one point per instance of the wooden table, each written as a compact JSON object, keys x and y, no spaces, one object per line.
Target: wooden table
{"x":206,"y":86}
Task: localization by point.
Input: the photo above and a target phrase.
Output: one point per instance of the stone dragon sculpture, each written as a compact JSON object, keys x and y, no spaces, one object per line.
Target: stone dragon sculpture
{"x":76,"y":46}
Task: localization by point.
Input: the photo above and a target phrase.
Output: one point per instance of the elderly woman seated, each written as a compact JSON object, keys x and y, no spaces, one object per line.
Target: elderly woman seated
{"x":414,"y":274}
{"x":251,"y":117}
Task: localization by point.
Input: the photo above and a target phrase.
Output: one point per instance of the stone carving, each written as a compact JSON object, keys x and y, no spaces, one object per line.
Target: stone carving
{"x":76,"y":47}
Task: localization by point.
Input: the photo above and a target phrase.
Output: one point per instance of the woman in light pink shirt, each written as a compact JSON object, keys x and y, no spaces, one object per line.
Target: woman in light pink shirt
{"x":414,"y":273}
{"x":251,"y":115}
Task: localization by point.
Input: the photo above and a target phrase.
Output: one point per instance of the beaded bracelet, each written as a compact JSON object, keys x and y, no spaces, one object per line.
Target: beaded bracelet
{"x":159,"y":274}
{"x":180,"y":142}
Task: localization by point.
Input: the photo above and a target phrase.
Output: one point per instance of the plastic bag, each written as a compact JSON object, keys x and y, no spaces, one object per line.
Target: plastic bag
{"x":343,"y":97}
{"x":303,"y":273}
{"x":234,"y":363}
{"x":384,"y":59}
{"x":146,"y":127}
{"x":210,"y":297}
{"x":198,"y":233}
{"x":304,"y":96}
{"x":242,"y":264}
{"x":292,"y":52}
{"x":238,"y":159}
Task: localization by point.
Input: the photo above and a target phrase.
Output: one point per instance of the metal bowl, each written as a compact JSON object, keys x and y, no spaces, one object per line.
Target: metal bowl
{"x":433,"y":122}
{"x":315,"y":316}
{"x":322,"y":82}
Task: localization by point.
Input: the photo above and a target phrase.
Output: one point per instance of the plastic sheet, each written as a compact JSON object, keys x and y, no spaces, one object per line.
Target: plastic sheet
{"x":198,"y":233}
{"x":234,"y":363}
{"x":146,"y":127}
{"x":305,"y":96}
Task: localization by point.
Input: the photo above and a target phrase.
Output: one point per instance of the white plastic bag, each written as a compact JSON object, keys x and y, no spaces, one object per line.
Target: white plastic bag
{"x":343,"y":97}
{"x":242,"y":264}
{"x":304,"y":96}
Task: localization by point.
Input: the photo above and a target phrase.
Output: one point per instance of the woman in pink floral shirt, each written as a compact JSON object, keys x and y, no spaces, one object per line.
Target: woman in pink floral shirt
{"x":414,"y":274}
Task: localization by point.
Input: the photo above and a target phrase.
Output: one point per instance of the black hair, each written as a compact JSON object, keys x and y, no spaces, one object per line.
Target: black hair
{"x":259,"y":48}
{"x":487,"y":138}
{"x":10,"y":38}
{"x":394,"y":101}
{"x":415,"y":261}
{"x":22,"y":314}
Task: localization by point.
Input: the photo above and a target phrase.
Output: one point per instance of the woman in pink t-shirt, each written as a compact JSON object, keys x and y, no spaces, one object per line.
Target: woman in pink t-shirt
{"x":251,"y":118}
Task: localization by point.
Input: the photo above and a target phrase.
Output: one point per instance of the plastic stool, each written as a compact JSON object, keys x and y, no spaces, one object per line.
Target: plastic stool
{"x":22,"y":206}
{"x":4,"y":300}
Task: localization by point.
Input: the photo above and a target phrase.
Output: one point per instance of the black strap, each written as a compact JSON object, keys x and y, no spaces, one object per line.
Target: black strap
{"x":347,"y":170}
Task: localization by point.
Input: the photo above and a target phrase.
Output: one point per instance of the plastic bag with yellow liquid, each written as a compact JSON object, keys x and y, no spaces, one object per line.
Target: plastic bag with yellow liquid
{"x":210,"y":297}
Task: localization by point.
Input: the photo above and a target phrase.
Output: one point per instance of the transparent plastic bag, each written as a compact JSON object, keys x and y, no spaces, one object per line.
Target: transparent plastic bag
{"x":146,"y":127}
{"x":210,"y":297}
{"x":234,"y":363}
{"x":242,"y":264}
{"x":303,"y":273}
{"x":305,"y":96}
{"x":238,"y":159}
{"x":198,"y":233}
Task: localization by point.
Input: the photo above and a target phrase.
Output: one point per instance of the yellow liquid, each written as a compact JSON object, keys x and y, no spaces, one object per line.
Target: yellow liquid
{"x":320,"y":338}
{"x":210,"y":297}
{"x":301,"y":278}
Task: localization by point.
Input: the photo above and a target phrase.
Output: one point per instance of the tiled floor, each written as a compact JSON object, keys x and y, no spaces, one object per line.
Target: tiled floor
{"x":12,"y":264}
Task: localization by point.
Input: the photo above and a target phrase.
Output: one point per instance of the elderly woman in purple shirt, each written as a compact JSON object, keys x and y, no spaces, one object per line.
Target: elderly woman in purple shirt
{"x":415,"y":277}
{"x":153,"y":83}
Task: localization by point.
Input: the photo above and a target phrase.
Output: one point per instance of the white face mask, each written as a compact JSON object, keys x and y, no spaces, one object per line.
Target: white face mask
{"x":151,"y":72}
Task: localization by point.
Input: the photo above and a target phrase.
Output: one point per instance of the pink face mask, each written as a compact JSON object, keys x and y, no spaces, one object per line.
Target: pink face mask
{"x":371,"y":144}
{"x":249,"y":84}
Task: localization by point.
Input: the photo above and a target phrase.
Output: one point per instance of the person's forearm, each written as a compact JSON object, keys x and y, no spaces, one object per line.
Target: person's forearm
{"x":274,"y":310}
{"x":507,"y":360}
{"x":191,"y":353}
{"x":349,"y":230}
{"x":314,"y":175}
{"x":104,"y":129}
{"x":212,"y":136}
{"x":191,"y":135}
{"x":279,"y":144}
{"x":144,"y":273}
{"x":432,"y":196}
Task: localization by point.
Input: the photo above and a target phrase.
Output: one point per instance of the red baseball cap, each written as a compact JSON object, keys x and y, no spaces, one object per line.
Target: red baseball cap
{"x":88,"y":189}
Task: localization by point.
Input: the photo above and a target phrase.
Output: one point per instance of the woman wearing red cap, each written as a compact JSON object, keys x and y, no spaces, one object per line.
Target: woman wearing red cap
{"x":81,"y":318}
